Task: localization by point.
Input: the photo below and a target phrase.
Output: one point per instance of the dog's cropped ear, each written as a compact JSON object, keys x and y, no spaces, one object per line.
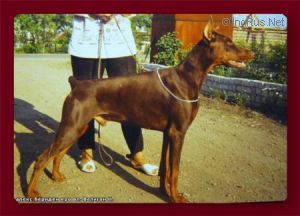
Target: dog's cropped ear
{"x":208,"y":29}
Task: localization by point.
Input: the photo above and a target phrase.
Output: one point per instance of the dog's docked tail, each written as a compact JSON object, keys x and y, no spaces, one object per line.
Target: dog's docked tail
{"x":73,"y":81}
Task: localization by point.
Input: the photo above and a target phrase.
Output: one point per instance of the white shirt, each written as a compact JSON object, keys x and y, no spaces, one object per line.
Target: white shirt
{"x":115,"y":42}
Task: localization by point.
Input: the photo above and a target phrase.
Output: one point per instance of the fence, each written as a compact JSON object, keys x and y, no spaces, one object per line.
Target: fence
{"x":260,"y":35}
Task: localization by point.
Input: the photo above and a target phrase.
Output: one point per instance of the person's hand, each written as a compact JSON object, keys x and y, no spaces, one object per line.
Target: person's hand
{"x":103,"y":17}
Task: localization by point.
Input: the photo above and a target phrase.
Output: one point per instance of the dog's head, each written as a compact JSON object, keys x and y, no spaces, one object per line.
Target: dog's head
{"x":223,"y":50}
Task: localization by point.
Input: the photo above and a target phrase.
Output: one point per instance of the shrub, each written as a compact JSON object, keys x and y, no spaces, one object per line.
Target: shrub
{"x":277,"y":61}
{"x":29,"y":48}
{"x":168,"y":47}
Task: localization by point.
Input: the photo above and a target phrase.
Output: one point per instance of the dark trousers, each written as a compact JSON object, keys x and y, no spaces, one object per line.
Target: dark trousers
{"x":86,"y":68}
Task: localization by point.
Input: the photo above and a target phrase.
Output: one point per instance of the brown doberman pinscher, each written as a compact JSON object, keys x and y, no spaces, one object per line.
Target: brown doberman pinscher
{"x":166,"y":101}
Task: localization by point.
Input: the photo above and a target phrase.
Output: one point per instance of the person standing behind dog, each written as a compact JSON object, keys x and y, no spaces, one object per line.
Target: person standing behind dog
{"x":116,"y":49}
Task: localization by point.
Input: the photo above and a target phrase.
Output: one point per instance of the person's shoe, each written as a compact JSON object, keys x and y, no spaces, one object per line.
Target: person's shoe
{"x":86,"y":164}
{"x":88,"y":167}
{"x":148,"y":169}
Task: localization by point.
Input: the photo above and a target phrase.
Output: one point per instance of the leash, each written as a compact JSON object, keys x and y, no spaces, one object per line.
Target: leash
{"x":124,"y":38}
{"x":101,"y":31}
{"x":162,"y":83}
{"x":101,"y":147}
{"x":100,"y":75}
{"x":171,"y":93}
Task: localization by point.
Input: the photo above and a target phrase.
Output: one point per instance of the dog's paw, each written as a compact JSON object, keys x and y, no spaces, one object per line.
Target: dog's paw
{"x":179,"y":199}
{"x":58,"y":177}
{"x":33,"y":194}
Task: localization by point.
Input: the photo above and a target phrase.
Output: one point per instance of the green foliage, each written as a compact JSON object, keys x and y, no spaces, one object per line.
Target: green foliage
{"x":224,"y":71}
{"x":182,"y":53}
{"x":29,"y":48}
{"x":168,"y":48}
{"x":48,"y":33}
{"x":41,"y":33}
{"x":141,"y":21}
{"x":141,"y":29}
{"x":278,"y":60}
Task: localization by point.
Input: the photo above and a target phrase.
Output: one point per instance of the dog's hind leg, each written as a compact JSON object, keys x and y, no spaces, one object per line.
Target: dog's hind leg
{"x":41,"y":163}
{"x":56,"y":174}
{"x":62,"y":143}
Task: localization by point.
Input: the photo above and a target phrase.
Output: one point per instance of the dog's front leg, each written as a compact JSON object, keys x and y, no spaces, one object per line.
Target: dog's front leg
{"x":164,"y":168}
{"x":176,"y":141}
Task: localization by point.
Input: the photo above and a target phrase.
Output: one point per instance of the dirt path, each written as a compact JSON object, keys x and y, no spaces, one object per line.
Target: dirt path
{"x":230,"y":154}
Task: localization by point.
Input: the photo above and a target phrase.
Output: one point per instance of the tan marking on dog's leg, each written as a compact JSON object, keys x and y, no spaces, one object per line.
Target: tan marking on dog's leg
{"x":56,"y":174}
{"x":164,"y":170}
{"x":39,"y":167}
{"x":66,"y":137}
{"x":176,"y":143}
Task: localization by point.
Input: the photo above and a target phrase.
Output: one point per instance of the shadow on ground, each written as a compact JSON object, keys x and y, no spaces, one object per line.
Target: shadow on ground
{"x":42,"y":132}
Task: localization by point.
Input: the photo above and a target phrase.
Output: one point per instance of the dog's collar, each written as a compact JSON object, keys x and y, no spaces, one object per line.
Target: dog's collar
{"x":172,"y":94}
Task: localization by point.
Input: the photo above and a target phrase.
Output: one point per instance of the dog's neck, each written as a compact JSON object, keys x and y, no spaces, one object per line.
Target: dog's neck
{"x":197,"y":64}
